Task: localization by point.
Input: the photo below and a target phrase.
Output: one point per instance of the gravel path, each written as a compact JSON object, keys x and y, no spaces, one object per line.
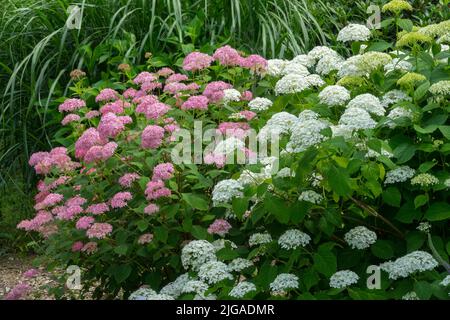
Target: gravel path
{"x":11,"y":273}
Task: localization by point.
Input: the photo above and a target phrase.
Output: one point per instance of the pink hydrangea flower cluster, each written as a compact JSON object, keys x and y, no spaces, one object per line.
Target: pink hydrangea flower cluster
{"x":150,"y":86}
{"x":120,"y":199}
{"x":100,"y":153}
{"x":234,"y":129}
{"x":156,"y":189}
{"x":116,"y":107}
{"x":107,"y":95}
{"x":67,"y":212}
{"x":127,"y":179}
{"x":171,"y":125}
{"x":227,"y":56}
{"x":111,"y":125}
{"x":163,"y":171}
{"x":44,"y":162}
{"x":77,"y":246}
{"x":130,"y":93}
{"x":97,"y":208}
{"x":92,"y":114}
{"x":217,"y":159}
{"x":31,"y":273}
{"x":76,"y":201}
{"x":144,"y":77}
{"x":255,"y":63}
{"x":87,"y":140}
{"x":71,"y":117}
{"x":195,"y":61}
{"x":165,"y":72}
{"x":89,"y":247}
{"x":145,"y":238}
{"x":99,"y":230}
{"x":35,"y":224}
{"x":177,"y":87}
{"x":214,"y":90}
{"x":247,"y":114}
{"x":195,"y":102}
{"x":177,"y":77}
{"x":71,"y":105}
{"x":18,"y":292}
{"x":152,"y":137}
{"x":50,"y":200}
{"x":84,"y":223}
{"x":219,"y":227}
{"x":156,"y":110}
{"x":151,"y":209}
{"x":246,"y":95}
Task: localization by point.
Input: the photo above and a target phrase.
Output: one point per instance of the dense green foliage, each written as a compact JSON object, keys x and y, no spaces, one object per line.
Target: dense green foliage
{"x":364,"y":182}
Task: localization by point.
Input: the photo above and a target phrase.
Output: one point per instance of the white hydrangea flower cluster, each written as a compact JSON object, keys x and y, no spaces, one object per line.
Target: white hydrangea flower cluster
{"x":424,"y":227}
{"x":310,"y":196}
{"x":400,"y":174}
{"x":228,"y":146}
{"x":196,"y":253}
{"x":306,"y":134}
{"x":295,"y":83}
{"x":440,"y":88}
{"x":219,"y":244}
{"x":397,"y":113}
{"x":354,"y":32}
{"x":283,"y":282}
{"x":319,"y":52}
{"x":360,"y":238}
{"x":275,"y":67}
{"x":280,"y":123}
{"x":175,"y":288}
{"x":230,"y":95}
{"x":305,"y":60}
{"x":213,"y":272}
{"x":397,"y":64}
{"x":341,"y":131}
{"x":373,"y":60}
{"x":343,"y":279}
{"x":350,"y":67}
{"x":224,"y":191}
{"x":329,"y":63}
{"x":292,"y":239}
{"x":446,"y":281}
{"x":239,"y":264}
{"x":416,"y":261}
{"x":285,"y":173}
{"x":410,"y":296}
{"x":260,"y":104}
{"x":424,"y":180}
{"x":259,"y":239}
{"x":160,"y":296}
{"x":357,"y":119}
{"x":334,"y":95}
{"x":248,"y":177}
{"x":374,"y":154}
{"x":368,"y":102}
{"x":315,"y":179}
{"x":447,"y":182}
{"x":142,"y":294}
{"x":295,"y":68}
{"x":394,"y":96}
{"x":241,"y":289}
{"x":195,"y":286}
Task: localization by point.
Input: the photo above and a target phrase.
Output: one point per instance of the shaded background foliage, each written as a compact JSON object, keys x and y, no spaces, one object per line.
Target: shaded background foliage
{"x":38,"y":51}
